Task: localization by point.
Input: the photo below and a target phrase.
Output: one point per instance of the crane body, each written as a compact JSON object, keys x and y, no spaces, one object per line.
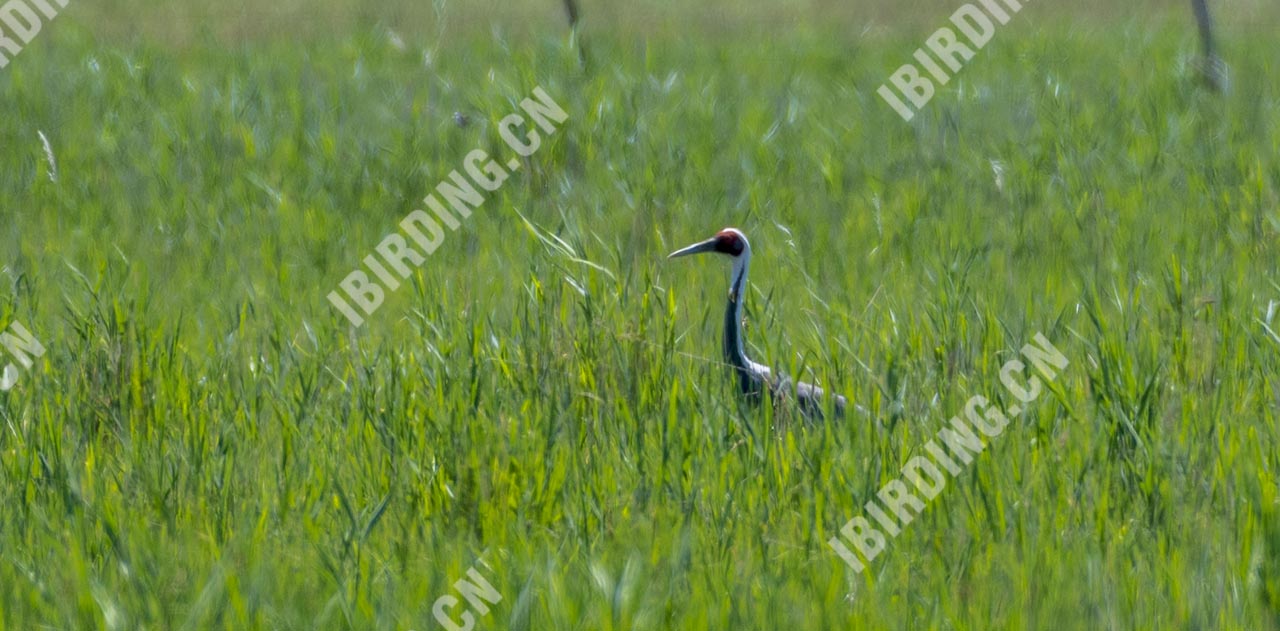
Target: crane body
{"x":754,"y":379}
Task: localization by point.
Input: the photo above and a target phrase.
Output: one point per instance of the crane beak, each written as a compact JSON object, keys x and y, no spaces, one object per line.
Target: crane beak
{"x":698,"y":248}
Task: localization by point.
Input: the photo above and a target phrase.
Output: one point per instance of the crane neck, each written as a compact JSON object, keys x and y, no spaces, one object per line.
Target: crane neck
{"x":734,"y":350}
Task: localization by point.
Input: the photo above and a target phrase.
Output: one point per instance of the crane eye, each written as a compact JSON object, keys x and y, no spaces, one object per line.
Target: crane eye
{"x":729,"y":243}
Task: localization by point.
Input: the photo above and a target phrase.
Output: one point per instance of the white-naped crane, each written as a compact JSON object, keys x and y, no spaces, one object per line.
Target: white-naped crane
{"x":754,"y":379}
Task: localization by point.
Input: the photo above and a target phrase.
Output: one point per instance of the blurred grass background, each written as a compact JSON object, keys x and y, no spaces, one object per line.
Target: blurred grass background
{"x":207,"y":445}
{"x":458,"y":22}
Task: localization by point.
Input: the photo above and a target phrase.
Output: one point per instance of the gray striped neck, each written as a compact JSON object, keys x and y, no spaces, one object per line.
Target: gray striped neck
{"x":734,"y":351}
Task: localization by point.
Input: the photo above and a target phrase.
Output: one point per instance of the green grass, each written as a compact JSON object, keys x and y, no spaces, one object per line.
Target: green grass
{"x":206,"y":445}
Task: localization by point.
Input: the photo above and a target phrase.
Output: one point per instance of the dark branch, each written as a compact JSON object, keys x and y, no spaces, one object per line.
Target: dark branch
{"x":1212,"y":68}
{"x":1203,"y":18}
{"x":571,"y":7}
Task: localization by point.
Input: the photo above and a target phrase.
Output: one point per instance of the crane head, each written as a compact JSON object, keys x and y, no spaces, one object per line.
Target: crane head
{"x":730,"y":242}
